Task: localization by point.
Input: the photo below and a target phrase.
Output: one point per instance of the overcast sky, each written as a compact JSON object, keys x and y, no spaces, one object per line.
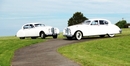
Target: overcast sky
{"x":15,"y":13}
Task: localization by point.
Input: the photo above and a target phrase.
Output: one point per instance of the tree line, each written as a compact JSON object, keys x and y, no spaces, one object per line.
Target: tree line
{"x":78,"y":18}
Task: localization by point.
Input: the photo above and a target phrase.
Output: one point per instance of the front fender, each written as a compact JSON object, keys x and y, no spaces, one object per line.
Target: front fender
{"x":51,"y":30}
{"x":69,"y":32}
{"x":20,"y":33}
{"x":57,"y":30}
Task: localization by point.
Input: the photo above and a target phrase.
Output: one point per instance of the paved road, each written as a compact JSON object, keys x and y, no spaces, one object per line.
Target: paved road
{"x":43,"y":54}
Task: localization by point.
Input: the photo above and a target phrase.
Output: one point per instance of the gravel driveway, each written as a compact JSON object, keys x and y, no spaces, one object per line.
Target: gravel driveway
{"x":43,"y":54}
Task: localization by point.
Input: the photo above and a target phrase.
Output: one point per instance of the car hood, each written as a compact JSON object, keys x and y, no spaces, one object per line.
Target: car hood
{"x":76,"y":26}
{"x":48,"y":26}
{"x":44,"y":27}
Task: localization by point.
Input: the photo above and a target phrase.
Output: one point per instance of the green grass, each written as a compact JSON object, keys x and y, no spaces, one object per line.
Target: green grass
{"x":60,"y":36}
{"x":102,"y":52}
{"x":8,"y":45}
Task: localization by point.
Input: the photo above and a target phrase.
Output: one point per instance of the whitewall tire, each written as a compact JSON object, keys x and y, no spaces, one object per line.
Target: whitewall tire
{"x":78,"y":35}
{"x":42,"y":35}
{"x":111,"y":35}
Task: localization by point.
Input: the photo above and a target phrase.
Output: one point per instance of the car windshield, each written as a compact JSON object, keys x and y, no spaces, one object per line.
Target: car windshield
{"x":39,"y":25}
{"x":87,"y":22}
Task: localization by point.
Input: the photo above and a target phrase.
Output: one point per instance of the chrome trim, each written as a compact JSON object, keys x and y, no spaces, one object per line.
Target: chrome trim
{"x":53,"y":30}
{"x":68,"y":31}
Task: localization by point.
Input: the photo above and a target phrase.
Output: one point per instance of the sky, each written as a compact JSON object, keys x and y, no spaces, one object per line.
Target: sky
{"x":15,"y":13}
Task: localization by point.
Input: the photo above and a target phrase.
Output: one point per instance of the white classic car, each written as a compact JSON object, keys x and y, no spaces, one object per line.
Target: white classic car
{"x":35,"y":30}
{"x":91,"y":27}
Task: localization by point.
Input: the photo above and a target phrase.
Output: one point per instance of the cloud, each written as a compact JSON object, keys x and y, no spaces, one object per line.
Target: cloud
{"x":57,"y":12}
{"x":16,"y":9}
{"x":65,"y":6}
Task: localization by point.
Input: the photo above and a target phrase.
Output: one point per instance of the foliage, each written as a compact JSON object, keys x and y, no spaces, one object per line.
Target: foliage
{"x":122,"y":24}
{"x":102,"y":52}
{"x":127,"y":25}
{"x":8,"y":45}
{"x":77,"y":18}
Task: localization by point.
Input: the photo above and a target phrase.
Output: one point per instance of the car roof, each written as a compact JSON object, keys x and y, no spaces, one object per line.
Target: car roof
{"x":33,"y":23}
{"x":99,"y":19}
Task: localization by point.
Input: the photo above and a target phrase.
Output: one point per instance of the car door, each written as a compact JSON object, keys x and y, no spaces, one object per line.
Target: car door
{"x":103,"y":26}
{"x":32,"y":30}
{"x":25,"y":30}
{"x":94,"y":28}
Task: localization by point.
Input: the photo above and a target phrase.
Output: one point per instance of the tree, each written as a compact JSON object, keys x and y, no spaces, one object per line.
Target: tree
{"x":77,"y":18}
{"x":121,"y":24}
{"x":127,"y":25}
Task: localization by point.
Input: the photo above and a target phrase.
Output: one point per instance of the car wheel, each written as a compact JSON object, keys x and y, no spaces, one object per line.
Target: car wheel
{"x":22,"y":37}
{"x":111,"y":35}
{"x":102,"y":35}
{"x":42,"y":35}
{"x":54,"y":36}
{"x":33,"y":37}
{"x":78,"y":35}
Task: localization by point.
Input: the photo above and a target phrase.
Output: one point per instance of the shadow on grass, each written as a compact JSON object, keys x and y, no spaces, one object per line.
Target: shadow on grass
{"x":92,"y":38}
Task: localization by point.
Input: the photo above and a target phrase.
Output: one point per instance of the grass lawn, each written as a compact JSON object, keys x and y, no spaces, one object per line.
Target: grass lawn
{"x":8,"y":45}
{"x":102,"y":52}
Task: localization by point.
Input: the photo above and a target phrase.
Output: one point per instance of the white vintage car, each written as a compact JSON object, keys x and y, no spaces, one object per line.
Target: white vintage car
{"x":35,"y":30}
{"x":91,"y":27}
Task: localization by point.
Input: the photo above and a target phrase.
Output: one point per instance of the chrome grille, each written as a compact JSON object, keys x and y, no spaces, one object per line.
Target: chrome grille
{"x":67,"y":31}
{"x":53,"y":30}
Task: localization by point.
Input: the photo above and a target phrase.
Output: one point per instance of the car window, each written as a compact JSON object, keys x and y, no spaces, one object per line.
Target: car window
{"x":28,"y":26}
{"x":31,"y":26}
{"x":101,"y":22}
{"x":106,"y":23}
{"x":87,"y":22}
{"x":95,"y":22}
{"x":39,"y":25}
